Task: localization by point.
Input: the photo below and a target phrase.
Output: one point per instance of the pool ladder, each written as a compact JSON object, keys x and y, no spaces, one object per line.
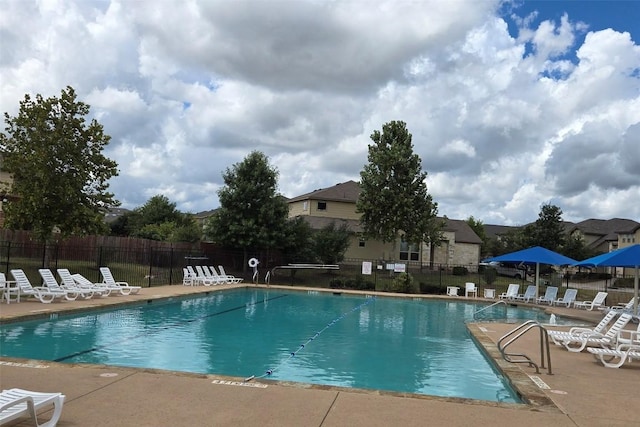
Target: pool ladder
{"x":523,"y":358}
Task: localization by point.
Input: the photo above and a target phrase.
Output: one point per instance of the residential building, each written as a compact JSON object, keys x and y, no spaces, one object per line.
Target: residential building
{"x":460,"y":245}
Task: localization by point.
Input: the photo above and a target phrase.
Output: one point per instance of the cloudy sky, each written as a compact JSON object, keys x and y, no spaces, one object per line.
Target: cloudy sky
{"x":511,"y":104}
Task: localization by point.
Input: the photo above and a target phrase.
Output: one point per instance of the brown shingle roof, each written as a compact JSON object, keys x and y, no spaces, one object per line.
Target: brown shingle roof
{"x":464,"y":233}
{"x":344,"y":192}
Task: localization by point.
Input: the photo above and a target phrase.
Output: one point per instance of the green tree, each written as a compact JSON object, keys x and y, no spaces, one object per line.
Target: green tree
{"x":252,"y":215}
{"x":60,"y":176}
{"x":331,"y":243}
{"x":478,"y":227}
{"x":548,"y":230}
{"x":297,"y":245}
{"x":157,"y":219}
{"x":394,"y":195}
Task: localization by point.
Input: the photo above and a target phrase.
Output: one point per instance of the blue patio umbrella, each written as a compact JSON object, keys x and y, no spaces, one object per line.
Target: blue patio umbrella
{"x":535,"y":255}
{"x":624,"y":257}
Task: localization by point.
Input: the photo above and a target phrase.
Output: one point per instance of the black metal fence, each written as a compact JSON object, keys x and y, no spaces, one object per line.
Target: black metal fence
{"x":144,"y":264}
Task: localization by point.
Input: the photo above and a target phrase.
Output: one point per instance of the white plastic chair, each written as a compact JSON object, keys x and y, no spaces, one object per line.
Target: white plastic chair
{"x":470,"y":288}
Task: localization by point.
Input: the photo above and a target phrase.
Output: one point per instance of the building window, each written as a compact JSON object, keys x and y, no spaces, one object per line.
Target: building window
{"x":361,"y":242}
{"x":409,"y":251}
{"x":322,"y":206}
{"x":305,"y":205}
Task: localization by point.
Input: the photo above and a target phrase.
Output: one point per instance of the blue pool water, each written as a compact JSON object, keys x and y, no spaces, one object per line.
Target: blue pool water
{"x":403,"y":345}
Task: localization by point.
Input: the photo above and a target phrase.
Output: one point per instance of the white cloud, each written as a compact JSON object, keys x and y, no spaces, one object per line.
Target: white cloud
{"x":188,"y":88}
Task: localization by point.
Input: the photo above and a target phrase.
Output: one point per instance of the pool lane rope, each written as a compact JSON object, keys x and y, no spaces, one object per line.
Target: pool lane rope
{"x":269,"y":372}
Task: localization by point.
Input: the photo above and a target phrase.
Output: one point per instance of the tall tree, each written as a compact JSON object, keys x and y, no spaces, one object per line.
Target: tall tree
{"x":157,"y":219}
{"x":60,"y":176}
{"x":252,"y":214}
{"x":331,"y":243}
{"x":478,"y":227}
{"x":394,"y":197}
{"x":548,"y":230}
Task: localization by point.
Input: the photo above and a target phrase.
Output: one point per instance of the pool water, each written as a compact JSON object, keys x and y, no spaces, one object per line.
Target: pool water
{"x":403,"y":345}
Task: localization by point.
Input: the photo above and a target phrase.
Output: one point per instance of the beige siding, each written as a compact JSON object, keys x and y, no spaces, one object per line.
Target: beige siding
{"x":334,"y":209}
{"x":372,"y":250}
{"x":297,"y":208}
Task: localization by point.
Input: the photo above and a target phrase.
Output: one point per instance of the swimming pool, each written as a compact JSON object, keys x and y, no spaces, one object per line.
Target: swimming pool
{"x":404,"y":345}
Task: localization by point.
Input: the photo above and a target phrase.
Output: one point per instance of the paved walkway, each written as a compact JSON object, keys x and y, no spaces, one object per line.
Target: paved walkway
{"x":579,"y":393}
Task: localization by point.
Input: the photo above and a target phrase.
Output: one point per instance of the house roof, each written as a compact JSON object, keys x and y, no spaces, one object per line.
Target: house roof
{"x":492,"y":230}
{"x":464,"y":233}
{"x":606,"y":230}
{"x":344,"y":192}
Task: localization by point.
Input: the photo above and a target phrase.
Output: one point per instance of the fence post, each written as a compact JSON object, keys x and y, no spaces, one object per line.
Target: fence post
{"x":171,"y":266}
{"x":150,"y":266}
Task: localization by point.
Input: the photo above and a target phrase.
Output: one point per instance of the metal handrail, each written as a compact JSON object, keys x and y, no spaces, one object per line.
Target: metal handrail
{"x":488,"y":307}
{"x":544,"y":346}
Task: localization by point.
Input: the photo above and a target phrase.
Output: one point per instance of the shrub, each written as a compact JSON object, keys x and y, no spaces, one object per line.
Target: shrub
{"x":460,"y":271}
{"x":489,"y":275}
{"x":403,"y":282}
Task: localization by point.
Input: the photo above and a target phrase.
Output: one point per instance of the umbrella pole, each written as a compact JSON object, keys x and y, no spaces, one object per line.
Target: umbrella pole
{"x":537,"y":280}
{"x":635,"y":293}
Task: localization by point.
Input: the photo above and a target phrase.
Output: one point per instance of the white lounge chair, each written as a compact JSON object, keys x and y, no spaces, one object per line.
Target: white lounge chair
{"x":187,"y":278}
{"x":597,"y":301}
{"x":123,"y":287}
{"x":568,"y":298}
{"x":549,"y":296}
{"x":559,"y":336}
{"x":228,"y":277}
{"x":17,"y":403}
{"x":71,"y":293}
{"x":511,"y":293}
{"x":212,"y":274}
{"x":608,"y":340}
{"x":620,"y":308}
{"x":470,"y":288}
{"x":204,"y":276}
{"x":41,"y":293}
{"x":528,"y":296}
{"x":67,"y":280}
{"x":106,"y":289}
{"x":626,"y":350}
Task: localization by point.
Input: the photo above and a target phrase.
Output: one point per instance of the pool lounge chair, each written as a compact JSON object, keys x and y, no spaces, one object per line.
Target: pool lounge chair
{"x":123,"y":287}
{"x":511,"y":293}
{"x":549,"y":296}
{"x":71,"y":292}
{"x":67,"y":280}
{"x":626,"y":350}
{"x":559,"y":336}
{"x":228,"y":277}
{"x":528,"y":296}
{"x":41,"y":293}
{"x":598,"y":301}
{"x":199,"y":277}
{"x":608,"y":340}
{"x":568,"y":298}
{"x":17,"y":403}
{"x":105,"y":289}
{"x":620,"y":307}
{"x":207,"y":277}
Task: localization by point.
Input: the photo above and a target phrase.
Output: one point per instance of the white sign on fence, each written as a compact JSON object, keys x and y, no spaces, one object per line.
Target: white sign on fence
{"x":366,"y":267}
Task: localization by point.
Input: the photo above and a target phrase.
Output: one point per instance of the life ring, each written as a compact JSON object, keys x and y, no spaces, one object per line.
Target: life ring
{"x":253,"y":262}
